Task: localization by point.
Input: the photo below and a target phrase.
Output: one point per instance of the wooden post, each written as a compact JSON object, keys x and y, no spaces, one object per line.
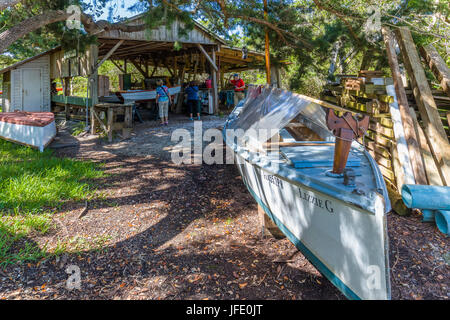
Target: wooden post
{"x":93,"y":121}
{"x":110,"y":124}
{"x":67,"y":93}
{"x":407,"y":120}
{"x":126,"y":131}
{"x":268,"y":225}
{"x":214,"y":85}
{"x":438,"y":66}
{"x":93,"y":82}
{"x":267,"y":45}
{"x":434,"y":130}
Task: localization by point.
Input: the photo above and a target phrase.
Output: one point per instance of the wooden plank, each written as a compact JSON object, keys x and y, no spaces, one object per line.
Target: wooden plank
{"x":109,"y":54}
{"x":401,"y":144}
{"x":139,"y":68}
{"x":210,"y":60}
{"x":379,"y":139}
{"x":380,"y":159}
{"x":387,"y":173}
{"x":385,"y":122}
{"x":407,"y":121}
{"x":437,"y":65}
{"x":295,"y":144}
{"x":377,"y":148}
{"x":97,"y":118}
{"x":382,"y":130}
{"x":433,"y":127}
{"x":398,"y":169}
{"x":433,"y":176}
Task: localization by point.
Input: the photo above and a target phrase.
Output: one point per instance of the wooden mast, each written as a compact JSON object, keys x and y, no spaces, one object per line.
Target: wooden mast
{"x":266,"y":17}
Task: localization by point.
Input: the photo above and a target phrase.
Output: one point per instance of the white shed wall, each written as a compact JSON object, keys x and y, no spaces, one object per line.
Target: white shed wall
{"x":16,"y":89}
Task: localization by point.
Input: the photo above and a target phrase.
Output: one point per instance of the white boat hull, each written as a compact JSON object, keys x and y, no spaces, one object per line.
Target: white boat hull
{"x":33,"y":136}
{"x":347,"y":244}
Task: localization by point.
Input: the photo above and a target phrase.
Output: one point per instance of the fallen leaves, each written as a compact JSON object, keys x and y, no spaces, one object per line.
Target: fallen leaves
{"x":242,"y":285}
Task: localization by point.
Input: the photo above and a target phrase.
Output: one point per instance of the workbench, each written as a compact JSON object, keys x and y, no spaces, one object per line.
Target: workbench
{"x":112,"y":110}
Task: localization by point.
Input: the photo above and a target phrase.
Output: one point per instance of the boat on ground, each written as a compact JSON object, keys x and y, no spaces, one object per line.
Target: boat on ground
{"x":330,"y":203}
{"x":33,"y":129}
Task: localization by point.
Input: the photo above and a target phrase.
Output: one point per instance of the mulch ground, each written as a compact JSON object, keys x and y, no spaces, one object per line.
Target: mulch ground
{"x":191,"y":232}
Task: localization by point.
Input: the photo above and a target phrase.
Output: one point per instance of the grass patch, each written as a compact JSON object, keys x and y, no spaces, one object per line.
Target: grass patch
{"x":79,"y":129}
{"x":32,"y":185}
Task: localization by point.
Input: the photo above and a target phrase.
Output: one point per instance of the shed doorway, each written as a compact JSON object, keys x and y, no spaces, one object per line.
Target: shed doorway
{"x":32,"y":91}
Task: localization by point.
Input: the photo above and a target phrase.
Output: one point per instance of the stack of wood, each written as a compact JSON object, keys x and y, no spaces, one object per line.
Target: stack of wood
{"x":360,"y":94}
{"x":428,"y":108}
{"x":409,"y":128}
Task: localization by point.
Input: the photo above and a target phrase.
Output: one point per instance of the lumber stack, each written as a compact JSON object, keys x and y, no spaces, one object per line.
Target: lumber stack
{"x":359,"y":93}
{"x":442,"y":103}
{"x":409,"y":130}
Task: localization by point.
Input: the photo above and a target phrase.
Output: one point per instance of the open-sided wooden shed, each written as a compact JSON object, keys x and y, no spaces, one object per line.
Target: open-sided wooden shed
{"x":184,"y":56}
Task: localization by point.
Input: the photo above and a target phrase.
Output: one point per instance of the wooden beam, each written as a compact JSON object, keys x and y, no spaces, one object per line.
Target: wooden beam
{"x":214,"y":85}
{"x":434,"y":130}
{"x":211,"y":61}
{"x":109,"y":54}
{"x":433,"y":174}
{"x":118,"y":66}
{"x":438,"y":66}
{"x":168,"y":68}
{"x":139,"y":68}
{"x":407,"y":120}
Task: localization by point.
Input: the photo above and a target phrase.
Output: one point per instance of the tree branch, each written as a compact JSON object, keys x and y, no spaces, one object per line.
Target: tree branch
{"x":8,"y":3}
{"x":24,"y":27}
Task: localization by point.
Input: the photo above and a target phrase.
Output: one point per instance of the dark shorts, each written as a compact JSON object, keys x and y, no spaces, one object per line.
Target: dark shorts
{"x":194,"y":106}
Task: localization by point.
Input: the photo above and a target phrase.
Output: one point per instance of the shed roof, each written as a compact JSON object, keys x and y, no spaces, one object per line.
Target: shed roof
{"x":18,"y":64}
{"x":199,"y":34}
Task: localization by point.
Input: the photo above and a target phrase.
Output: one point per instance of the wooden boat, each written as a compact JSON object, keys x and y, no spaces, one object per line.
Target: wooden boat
{"x":34,"y":129}
{"x":131,"y":96}
{"x":338,"y":221}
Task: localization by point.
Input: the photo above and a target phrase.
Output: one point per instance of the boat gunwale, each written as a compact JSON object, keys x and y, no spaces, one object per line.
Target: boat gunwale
{"x":317,"y":185}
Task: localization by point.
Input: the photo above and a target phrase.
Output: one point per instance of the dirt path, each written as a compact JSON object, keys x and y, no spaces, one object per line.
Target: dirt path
{"x":162,"y":231}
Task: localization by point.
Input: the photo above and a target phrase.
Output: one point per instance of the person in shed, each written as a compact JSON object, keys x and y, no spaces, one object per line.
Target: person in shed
{"x":239,"y":87}
{"x":163,"y":100}
{"x":193,"y":99}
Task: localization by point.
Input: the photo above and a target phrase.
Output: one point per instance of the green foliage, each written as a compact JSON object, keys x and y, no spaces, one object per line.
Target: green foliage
{"x":303,"y":32}
{"x":32,"y":184}
{"x":79,"y":128}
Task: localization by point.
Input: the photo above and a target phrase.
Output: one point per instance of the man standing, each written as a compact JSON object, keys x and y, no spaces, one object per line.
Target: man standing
{"x":239,"y":86}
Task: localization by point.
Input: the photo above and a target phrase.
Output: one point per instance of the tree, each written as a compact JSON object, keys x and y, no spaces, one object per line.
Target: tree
{"x":306,"y":32}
